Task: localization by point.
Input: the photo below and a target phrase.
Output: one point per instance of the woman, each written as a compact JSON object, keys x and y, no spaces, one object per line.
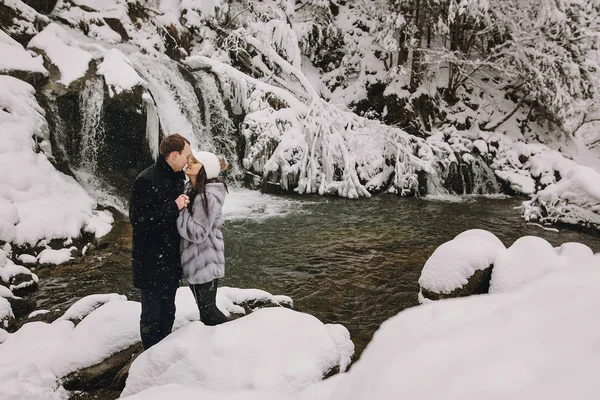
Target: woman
{"x":199,"y":224}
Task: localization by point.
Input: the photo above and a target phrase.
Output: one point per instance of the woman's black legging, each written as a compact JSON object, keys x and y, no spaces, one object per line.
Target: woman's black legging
{"x":206,"y":298}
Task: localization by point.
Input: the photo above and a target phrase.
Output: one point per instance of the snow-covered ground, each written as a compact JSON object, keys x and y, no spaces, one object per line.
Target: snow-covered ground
{"x":271,"y":350}
{"x":538,"y":341}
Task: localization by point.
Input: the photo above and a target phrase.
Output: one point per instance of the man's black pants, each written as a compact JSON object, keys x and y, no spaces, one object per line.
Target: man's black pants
{"x":158,"y":314}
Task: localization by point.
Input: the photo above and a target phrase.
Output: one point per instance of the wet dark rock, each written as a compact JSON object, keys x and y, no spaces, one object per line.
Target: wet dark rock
{"x":41,"y":6}
{"x":35,"y":79}
{"x":13,"y":22}
{"x":125,"y":150}
{"x":47,"y":317}
{"x":109,"y":373}
{"x":21,"y":307}
{"x":478,"y":283}
{"x":250,"y":306}
{"x":117,"y":26}
{"x":25,"y":284}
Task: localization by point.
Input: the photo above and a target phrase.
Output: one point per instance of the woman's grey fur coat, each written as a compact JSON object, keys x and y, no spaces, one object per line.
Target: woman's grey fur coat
{"x":202,"y":246}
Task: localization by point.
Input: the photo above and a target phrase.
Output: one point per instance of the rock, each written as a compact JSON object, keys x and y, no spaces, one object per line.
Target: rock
{"x":478,"y":283}
{"x":42,"y":6}
{"x":20,"y":24}
{"x":35,"y":79}
{"x":21,"y":307}
{"x":110,"y":372}
{"x":23,"y":283}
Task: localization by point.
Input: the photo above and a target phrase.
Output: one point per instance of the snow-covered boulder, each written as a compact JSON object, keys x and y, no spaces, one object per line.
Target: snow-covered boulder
{"x":538,"y":342}
{"x":181,"y":392}
{"x":272,"y":349}
{"x":6,"y":313}
{"x":573,"y":200}
{"x":17,"y":278}
{"x":55,"y":42}
{"x":527,"y":259}
{"x":85,"y":306}
{"x":3,"y":335}
{"x":574,"y":251}
{"x":460,"y":267}
{"x":18,"y":62}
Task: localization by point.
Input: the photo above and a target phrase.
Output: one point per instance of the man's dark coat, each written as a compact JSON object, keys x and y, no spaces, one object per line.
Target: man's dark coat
{"x":153,"y":214}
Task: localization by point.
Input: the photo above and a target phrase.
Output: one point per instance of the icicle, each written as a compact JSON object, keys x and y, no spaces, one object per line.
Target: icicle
{"x":91,"y":101}
{"x":152,"y":131}
{"x":176,"y":100}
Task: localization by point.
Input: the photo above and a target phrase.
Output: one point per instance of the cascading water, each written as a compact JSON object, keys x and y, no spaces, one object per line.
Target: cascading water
{"x":484,"y":179}
{"x":217,"y":119}
{"x":152,"y":125}
{"x":91,"y":101}
{"x":176,"y":100}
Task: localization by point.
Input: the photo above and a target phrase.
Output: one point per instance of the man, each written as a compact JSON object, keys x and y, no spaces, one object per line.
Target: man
{"x":156,"y":199}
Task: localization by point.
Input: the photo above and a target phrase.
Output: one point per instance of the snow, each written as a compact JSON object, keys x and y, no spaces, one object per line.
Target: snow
{"x":5,"y":292}
{"x":285,"y":351}
{"x":34,"y":357}
{"x":574,"y":251}
{"x":16,"y":58}
{"x":454,"y":262}
{"x":56,"y":43}
{"x":180,"y":392}
{"x":527,"y":259}
{"x":8,"y":270}
{"x":538,"y":342}
{"x":50,"y":256}
{"x":3,"y":335}
{"x":227,"y":298}
{"x":119,"y":73}
{"x":26,"y":358}
{"x":100,"y":223}
{"x":518,"y":183}
{"x":575,"y":199}
{"x":36,"y":201}
{"x":104,"y":33}
{"x":111,"y":328}
{"x":27,"y":259}
{"x":5,"y":309}
{"x":38,"y":312}
{"x":82,"y":307}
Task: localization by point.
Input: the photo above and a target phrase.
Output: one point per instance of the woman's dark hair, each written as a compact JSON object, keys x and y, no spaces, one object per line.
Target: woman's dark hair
{"x":200,"y":189}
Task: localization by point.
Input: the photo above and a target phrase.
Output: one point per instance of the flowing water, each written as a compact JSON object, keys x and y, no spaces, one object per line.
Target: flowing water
{"x":353,"y":262}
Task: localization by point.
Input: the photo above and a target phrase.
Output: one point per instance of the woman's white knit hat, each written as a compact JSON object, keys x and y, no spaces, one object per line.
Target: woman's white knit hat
{"x":210,"y":162}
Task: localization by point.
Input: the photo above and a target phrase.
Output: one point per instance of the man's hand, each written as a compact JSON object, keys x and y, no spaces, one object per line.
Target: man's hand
{"x":182,"y":201}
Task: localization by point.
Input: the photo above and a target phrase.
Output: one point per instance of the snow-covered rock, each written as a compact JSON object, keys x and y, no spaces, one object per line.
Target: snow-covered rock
{"x":16,"y":277}
{"x":58,"y":45}
{"x":82,"y":307}
{"x":460,"y":267}
{"x":527,"y":259}
{"x":539,"y":341}
{"x":18,"y":62}
{"x":182,"y":392}
{"x":574,"y":252}
{"x":36,"y":201}
{"x":272,"y":349}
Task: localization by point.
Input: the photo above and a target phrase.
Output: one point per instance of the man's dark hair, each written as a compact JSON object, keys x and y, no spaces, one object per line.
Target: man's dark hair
{"x":171,"y":143}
